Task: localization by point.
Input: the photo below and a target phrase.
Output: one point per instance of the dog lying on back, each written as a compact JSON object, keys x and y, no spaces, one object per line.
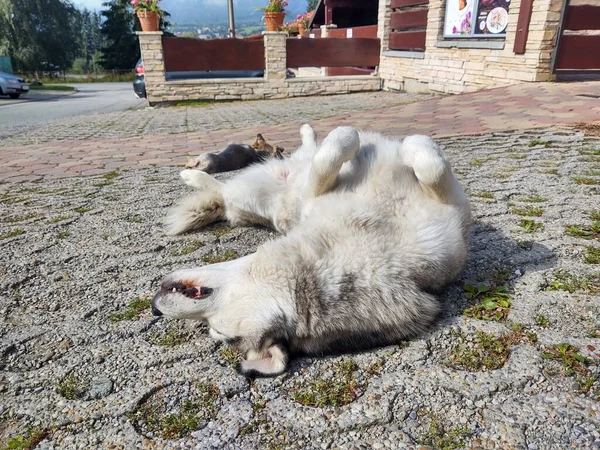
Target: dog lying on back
{"x":373,"y":229}
{"x":236,"y":156}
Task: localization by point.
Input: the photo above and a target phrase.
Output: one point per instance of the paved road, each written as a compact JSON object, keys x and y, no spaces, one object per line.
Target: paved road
{"x":90,"y":98}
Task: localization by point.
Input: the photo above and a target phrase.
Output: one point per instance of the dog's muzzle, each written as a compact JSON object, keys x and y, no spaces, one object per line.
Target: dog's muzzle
{"x":170,"y":288}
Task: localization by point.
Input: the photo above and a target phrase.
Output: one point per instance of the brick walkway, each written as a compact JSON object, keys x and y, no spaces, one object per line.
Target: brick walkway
{"x":518,"y":107}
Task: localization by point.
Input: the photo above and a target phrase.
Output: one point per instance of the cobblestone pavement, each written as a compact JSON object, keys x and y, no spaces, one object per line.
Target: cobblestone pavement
{"x":62,"y":150}
{"x":513,"y":363}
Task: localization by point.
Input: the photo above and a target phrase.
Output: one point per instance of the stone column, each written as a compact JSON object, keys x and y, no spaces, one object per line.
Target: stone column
{"x":154,"y":67}
{"x":275,"y":57}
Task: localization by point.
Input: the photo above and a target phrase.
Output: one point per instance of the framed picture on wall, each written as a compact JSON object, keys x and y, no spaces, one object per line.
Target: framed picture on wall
{"x":476,"y":18}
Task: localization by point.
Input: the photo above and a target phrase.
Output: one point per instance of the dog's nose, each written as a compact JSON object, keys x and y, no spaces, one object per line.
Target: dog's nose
{"x":156,"y":312}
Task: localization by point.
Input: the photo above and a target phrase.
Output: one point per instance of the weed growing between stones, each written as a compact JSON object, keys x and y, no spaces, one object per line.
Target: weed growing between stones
{"x":63,"y":235}
{"x":13,"y":233}
{"x":82,"y":210}
{"x":28,"y":440}
{"x":72,"y":387}
{"x":531,"y":226}
{"x":151,"y":416}
{"x":172,"y":337}
{"x":573,"y":362}
{"x":111,"y":175}
{"x":190,"y":248}
{"x":533,"y":199}
{"x":17,"y":219}
{"x":220,"y":232}
{"x":134,"y":309}
{"x":549,"y":171}
{"x":483,"y":194}
{"x":441,"y":437}
{"x":529,"y":211}
{"x":584,"y":232}
{"x":60,"y":218}
{"x":494,"y":302}
{"x":563,"y":280}
{"x":229,"y":355}
{"x":483,"y":351}
{"x":586,"y":181}
{"x":541,"y":320}
{"x":536,"y":143}
{"x":214,"y":258}
{"x":593,"y":255}
{"x":134,"y":219}
{"x":341,"y":389}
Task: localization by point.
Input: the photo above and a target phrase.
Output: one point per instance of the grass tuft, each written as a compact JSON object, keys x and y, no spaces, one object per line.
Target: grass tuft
{"x":441,"y":437}
{"x":563,"y":280}
{"x":494,"y":303}
{"x":214,"y":258}
{"x":531,"y":226}
{"x":190,"y":248}
{"x":133,"y":310}
{"x":529,"y":211}
{"x":28,"y":440}
{"x":593,"y":255}
{"x":13,"y":233}
{"x":72,"y":387}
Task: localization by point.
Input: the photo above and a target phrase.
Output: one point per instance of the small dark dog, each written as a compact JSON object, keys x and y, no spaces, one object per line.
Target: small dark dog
{"x":235,"y":156}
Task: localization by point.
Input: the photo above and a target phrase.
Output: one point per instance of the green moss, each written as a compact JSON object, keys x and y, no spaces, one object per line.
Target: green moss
{"x":102,"y":183}
{"x":60,"y":218}
{"x":343,"y":388}
{"x":133,"y":219}
{"x":529,"y":211}
{"x":230,"y":355}
{"x":516,"y":156}
{"x":214,"y":258}
{"x":531,"y":226}
{"x":190,"y":248}
{"x":63,"y":234}
{"x":111,"y":175}
{"x":82,"y":210}
{"x":536,"y":143}
{"x":13,"y":233}
{"x":549,"y":171}
{"x":569,"y":357}
{"x":171,"y":338}
{"x":134,"y":309}
{"x":72,"y":387}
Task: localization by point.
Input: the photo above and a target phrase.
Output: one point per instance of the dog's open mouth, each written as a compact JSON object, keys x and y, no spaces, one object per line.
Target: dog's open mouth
{"x":195,"y":292}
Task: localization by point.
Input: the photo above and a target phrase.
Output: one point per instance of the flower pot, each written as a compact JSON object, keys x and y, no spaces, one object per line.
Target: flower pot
{"x":148,"y":20}
{"x":301,"y":29}
{"x":274,"y":20}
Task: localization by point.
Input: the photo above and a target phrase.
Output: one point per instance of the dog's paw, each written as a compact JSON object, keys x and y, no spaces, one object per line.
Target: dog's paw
{"x":339,"y":146}
{"x":308,"y":135}
{"x":424,"y":156}
{"x":271,"y":363}
{"x":200,"y":180}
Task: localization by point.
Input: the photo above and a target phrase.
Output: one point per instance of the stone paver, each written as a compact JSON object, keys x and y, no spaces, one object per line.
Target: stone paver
{"x":84,"y":363}
{"x":168,"y":136}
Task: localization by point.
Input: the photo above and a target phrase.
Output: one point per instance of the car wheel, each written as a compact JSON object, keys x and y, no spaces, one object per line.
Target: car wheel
{"x":15,"y":96}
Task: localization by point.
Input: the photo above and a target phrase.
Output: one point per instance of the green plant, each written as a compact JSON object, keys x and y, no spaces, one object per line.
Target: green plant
{"x":171,"y":338}
{"x":215,"y":258}
{"x":593,"y":255}
{"x":21,"y":218}
{"x":541,"y":320}
{"x":111,"y":175}
{"x":134,"y":219}
{"x":82,"y":209}
{"x":191,"y":248}
{"x":484,"y":351}
{"x":133,"y":310}
{"x":220,"y":232}
{"x":72,"y":387}
{"x":13,"y":233}
{"x":516,"y":156}
{"x":533,"y":199}
{"x":550,"y":171}
{"x":563,"y":280}
{"x":147,"y":6}
{"x":343,"y":388}
{"x":494,"y":303}
{"x":528,"y":211}
{"x":229,"y":355}
{"x":275,"y":6}
{"x":531,"y":226}
{"x":569,"y":357}
{"x":63,"y":234}
{"x":584,"y":232}
{"x":60,"y":218}
{"x":483,"y":194}
{"x":535,"y":143}
{"x":586,"y":181}
{"x":28,"y":440}
{"x":441,"y":437}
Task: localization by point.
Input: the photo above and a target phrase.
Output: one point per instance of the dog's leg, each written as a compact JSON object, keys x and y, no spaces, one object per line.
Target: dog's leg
{"x":308,"y":135}
{"x":195,"y":211}
{"x":270,"y":362}
{"x":201,"y":180}
{"x":432,"y":169}
{"x":340,"y":146}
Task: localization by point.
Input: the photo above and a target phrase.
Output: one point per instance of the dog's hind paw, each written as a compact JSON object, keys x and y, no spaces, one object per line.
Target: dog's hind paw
{"x":200,"y":180}
{"x":271,"y":364}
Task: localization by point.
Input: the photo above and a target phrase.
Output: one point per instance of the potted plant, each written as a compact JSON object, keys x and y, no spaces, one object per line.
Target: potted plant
{"x":148,"y":12}
{"x":302,"y":20}
{"x":275,"y":14}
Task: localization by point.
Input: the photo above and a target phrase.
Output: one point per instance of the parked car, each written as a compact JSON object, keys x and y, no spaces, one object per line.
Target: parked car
{"x":12,"y":86}
{"x":139,"y":84}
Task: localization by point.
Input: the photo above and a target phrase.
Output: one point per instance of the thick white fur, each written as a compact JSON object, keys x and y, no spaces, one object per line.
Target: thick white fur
{"x":359,"y":204}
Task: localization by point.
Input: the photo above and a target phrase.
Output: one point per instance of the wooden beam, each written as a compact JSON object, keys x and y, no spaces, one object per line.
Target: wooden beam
{"x":407,"y":40}
{"x":523,"y":26}
{"x":403,"y":3}
{"x":409,"y":19}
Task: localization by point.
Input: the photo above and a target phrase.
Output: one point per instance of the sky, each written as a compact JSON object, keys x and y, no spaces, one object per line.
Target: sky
{"x":97,"y":4}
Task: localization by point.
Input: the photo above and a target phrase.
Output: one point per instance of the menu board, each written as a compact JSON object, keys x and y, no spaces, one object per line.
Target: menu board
{"x":474,"y":18}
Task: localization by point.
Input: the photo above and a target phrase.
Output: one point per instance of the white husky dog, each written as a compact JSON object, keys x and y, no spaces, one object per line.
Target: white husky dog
{"x":373,"y":229}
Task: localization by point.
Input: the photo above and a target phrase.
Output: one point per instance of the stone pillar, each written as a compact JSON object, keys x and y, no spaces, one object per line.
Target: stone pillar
{"x":275,"y":56}
{"x":154,"y":67}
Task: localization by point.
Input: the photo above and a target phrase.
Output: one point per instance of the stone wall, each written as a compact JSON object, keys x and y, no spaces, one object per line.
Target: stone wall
{"x":450,"y":66}
{"x":275,"y":84}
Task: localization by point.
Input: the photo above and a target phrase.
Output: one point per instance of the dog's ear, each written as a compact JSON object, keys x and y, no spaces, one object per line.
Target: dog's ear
{"x":279,"y":149}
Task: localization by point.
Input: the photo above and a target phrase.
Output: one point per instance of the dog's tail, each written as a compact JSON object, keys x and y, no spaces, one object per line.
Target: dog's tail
{"x":195,"y":211}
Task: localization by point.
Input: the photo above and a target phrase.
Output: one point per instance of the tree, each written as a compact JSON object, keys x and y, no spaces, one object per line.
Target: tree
{"x":121,"y":49}
{"x":311,"y":4}
{"x":39,"y":34}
